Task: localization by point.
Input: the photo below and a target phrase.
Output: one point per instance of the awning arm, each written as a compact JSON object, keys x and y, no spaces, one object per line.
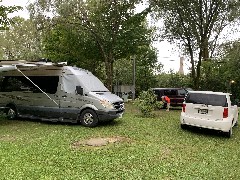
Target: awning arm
{"x":37,"y":86}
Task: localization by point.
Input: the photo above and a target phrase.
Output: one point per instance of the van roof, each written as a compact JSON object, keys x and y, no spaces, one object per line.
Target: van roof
{"x":30,"y":63}
{"x":9,"y":68}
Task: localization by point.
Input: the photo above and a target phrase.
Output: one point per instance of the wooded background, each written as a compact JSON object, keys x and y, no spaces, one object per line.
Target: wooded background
{"x":105,"y":36}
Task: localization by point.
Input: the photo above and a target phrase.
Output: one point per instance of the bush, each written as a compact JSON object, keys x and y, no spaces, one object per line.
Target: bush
{"x":147,"y":103}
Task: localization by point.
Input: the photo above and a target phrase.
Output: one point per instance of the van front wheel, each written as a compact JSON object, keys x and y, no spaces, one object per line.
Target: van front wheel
{"x":89,"y":118}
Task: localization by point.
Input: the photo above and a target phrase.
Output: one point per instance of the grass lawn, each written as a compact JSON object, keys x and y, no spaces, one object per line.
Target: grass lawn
{"x":150,"y":148}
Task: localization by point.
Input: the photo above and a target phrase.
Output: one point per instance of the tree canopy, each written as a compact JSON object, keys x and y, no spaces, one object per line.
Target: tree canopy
{"x":20,"y":41}
{"x":197,"y":24}
{"x":5,"y":21}
{"x":90,"y":32}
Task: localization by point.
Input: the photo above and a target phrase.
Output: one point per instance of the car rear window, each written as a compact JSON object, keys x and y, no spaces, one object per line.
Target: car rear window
{"x":208,"y":99}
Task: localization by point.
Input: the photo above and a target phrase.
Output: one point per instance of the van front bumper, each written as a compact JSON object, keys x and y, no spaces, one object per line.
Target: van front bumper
{"x":218,"y":124}
{"x":109,"y":115}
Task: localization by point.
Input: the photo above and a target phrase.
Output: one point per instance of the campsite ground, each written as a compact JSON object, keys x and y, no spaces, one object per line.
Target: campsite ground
{"x":134,"y":148}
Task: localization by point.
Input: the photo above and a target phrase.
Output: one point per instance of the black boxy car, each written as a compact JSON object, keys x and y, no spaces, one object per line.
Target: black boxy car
{"x":176,"y":95}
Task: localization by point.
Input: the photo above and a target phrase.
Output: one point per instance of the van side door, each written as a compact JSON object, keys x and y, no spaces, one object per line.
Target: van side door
{"x":44,"y":100}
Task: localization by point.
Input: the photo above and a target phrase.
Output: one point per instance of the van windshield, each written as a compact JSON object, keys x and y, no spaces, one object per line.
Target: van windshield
{"x":92,"y":84}
{"x":88,"y":82}
{"x":208,"y":99}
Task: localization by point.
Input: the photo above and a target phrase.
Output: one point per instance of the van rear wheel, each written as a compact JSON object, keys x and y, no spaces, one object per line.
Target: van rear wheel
{"x":11,"y":113}
{"x":89,"y":118}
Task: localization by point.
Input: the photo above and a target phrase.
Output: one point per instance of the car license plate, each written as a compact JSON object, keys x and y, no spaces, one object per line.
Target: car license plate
{"x":120,"y":115}
{"x":203,"y":111}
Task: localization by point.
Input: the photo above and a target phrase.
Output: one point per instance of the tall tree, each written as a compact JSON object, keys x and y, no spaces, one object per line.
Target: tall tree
{"x":146,"y":68}
{"x":113,"y":27}
{"x":197,"y":24}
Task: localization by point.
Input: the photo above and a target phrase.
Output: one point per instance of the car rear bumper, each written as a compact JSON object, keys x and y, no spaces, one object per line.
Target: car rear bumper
{"x":217,"y":124}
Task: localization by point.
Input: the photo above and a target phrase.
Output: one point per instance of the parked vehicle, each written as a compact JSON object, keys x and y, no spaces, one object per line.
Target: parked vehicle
{"x":176,"y":95}
{"x":56,"y":92}
{"x":207,"y":109}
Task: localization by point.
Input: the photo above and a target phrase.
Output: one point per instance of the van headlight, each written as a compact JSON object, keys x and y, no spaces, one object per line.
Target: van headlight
{"x":106,"y":104}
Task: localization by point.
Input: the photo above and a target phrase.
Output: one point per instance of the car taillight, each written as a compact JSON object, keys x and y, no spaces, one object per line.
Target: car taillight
{"x":183,"y":107}
{"x":225,"y":113}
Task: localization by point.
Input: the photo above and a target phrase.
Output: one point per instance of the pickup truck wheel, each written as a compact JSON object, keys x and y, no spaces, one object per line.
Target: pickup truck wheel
{"x":89,"y":118}
{"x":11,"y":113}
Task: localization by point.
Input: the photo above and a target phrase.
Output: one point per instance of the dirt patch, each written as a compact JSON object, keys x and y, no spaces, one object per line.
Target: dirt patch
{"x":7,"y":138}
{"x":99,"y":141}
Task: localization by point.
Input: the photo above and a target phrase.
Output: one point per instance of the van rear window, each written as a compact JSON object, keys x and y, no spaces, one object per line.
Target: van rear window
{"x":208,"y":99}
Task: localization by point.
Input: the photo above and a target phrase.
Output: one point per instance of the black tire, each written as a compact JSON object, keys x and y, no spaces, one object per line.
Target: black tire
{"x":236,"y":124}
{"x":11,"y":113}
{"x":183,"y":126}
{"x":89,"y":118}
{"x":229,"y":133}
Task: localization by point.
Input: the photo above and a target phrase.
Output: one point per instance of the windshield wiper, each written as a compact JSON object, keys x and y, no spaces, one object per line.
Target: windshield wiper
{"x":100,"y":91}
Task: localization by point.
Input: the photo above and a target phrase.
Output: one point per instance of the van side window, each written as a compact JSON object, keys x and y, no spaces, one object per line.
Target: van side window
{"x":1,"y":82}
{"x":13,"y":84}
{"x":48,"y":84}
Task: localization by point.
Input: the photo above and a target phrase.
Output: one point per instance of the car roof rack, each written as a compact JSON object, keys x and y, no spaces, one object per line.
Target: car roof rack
{"x":31,"y":63}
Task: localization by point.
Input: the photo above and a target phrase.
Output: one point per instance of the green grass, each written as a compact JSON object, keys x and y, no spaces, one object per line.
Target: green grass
{"x":154,"y":148}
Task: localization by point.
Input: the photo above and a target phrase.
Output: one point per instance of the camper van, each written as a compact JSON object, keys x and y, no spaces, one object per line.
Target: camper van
{"x":55,"y":92}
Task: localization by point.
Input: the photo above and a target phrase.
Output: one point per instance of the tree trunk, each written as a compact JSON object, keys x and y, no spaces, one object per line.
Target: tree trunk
{"x":109,"y":72}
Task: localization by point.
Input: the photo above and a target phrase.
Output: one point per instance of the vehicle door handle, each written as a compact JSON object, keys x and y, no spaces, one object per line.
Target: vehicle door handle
{"x":19,"y":98}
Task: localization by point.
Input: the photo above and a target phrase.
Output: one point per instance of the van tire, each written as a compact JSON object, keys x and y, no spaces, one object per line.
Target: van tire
{"x":11,"y":113}
{"x":89,"y":118}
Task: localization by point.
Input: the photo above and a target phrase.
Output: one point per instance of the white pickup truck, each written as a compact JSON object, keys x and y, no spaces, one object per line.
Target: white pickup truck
{"x":207,"y":109}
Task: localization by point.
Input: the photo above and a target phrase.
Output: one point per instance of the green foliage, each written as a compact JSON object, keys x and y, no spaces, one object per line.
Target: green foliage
{"x":146,"y":68}
{"x":214,"y":76}
{"x":4,"y":11}
{"x":173,"y":80}
{"x":197,"y":25}
{"x":147,"y":102}
{"x":20,"y":41}
{"x":92,"y":32}
{"x":222,"y":74}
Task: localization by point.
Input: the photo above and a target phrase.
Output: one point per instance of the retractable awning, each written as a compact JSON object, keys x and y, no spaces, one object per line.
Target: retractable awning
{"x":5,"y":68}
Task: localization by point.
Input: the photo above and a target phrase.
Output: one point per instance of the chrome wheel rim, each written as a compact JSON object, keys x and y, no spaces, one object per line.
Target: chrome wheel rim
{"x":11,"y":113}
{"x":88,"y":118}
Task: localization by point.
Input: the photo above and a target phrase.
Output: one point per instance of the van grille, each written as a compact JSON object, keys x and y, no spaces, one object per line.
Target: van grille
{"x":119,"y":106}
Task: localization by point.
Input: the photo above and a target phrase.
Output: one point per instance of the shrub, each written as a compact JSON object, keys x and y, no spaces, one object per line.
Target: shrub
{"x":147,"y":103}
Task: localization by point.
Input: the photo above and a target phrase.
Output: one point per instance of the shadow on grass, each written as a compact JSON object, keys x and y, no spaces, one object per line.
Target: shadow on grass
{"x":205,"y":132}
{"x":7,"y":122}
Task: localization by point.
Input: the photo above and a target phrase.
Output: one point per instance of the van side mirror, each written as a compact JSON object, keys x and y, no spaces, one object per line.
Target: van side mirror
{"x":79,"y":90}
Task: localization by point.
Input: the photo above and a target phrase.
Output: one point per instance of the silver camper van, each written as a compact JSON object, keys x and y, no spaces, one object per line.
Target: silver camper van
{"x":55,"y":92}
